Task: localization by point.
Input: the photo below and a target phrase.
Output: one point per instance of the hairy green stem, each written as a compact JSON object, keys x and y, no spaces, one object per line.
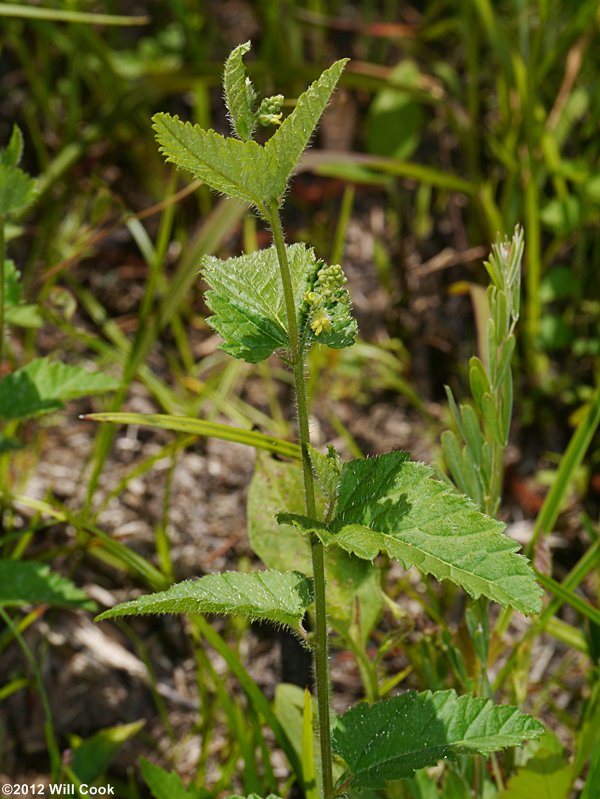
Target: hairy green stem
{"x":318,"y":561}
{"x":2,"y":297}
{"x":3,"y":460}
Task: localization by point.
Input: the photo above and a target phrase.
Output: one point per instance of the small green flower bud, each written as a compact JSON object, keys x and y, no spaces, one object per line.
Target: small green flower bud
{"x":269,"y":111}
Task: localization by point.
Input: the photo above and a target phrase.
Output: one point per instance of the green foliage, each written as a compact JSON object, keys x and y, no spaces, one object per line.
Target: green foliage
{"x":295,"y":709}
{"x":32,"y":583}
{"x":254,"y":173}
{"x":475,"y":455}
{"x":395,"y":117}
{"x":279,"y":597}
{"x":546,"y":772}
{"x":17,"y":189}
{"x":508,"y":99}
{"x":240,"y":97}
{"x":16,"y":312}
{"x":92,"y":756}
{"x":248,"y":303}
{"x":11,"y":155}
{"x":327,"y":309}
{"x":42,"y":386}
{"x":167,"y":785}
{"x":288,"y":143}
{"x":390,"y":504}
{"x":391,"y":739}
{"x":239,"y":93}
{"x":354,"y":592}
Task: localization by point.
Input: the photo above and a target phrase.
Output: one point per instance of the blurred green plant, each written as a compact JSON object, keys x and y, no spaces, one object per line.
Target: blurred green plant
{"x":40,"y":387}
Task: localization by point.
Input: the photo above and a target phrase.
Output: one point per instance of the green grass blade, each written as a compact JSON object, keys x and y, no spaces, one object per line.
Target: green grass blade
{"x":576,"y":602}
{"x":54,"y":751}
{"x":184,"y":424}
{"x":583,"y":567}
{"x":308,"y":751}
{"x":102,"y":543}
{"x":569,"y":464}
{"x":345,"y":165}
{"x":63,"y":15}
{"x":253,"y":692}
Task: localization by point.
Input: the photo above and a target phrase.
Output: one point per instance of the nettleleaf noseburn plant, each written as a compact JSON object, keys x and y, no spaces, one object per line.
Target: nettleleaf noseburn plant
{"x":283,"y":299}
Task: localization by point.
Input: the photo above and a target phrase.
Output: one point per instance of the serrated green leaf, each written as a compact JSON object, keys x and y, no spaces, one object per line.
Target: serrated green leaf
{"x":391,"y":739}
{"x":42,"y":386}
{"x":27,"y":582}
{"x":248,"y":302}
{"x":13,"y":152}
{"x":287,"y":144}
{"x":230,"y":166}
{"x":168,"y":785}
{"x":246,"y":335}
{"x":239,"y":93}
{"x":279,"y":597}
{"x":17,"y":190}
{"x":390,"y":504}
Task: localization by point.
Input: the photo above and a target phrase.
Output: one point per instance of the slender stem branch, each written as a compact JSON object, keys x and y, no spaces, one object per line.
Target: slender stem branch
{"x":318,"y":563}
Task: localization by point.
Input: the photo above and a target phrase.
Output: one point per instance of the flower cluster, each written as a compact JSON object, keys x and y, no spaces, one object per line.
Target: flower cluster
{"x":269,"y":111}
{"x":327,"y":291}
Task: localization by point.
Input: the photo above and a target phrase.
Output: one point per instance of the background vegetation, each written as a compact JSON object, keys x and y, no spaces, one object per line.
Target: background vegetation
{"x":455,"y":121}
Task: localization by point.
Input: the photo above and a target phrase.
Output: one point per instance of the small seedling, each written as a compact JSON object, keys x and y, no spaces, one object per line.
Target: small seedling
{"x":286,"y":300}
